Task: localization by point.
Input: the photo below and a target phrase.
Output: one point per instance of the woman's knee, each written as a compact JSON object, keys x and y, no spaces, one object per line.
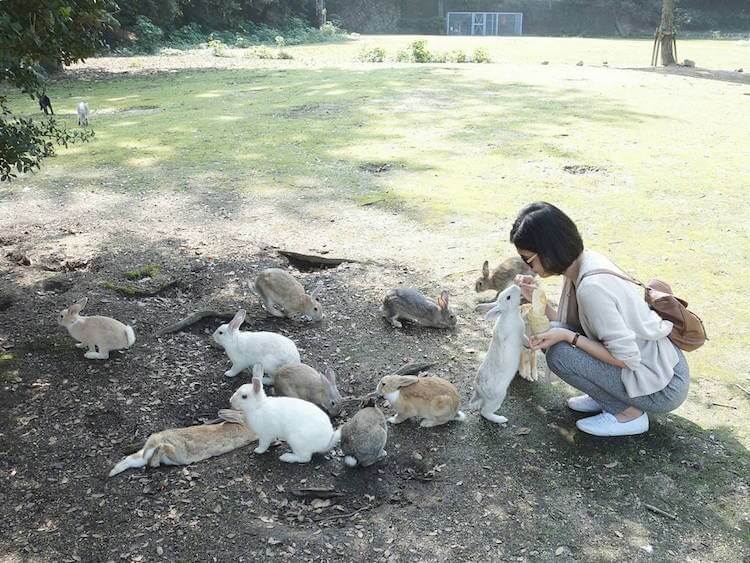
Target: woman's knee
{"x":558,"y":357}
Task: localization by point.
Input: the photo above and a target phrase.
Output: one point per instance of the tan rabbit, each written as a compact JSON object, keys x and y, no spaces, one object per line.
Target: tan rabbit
{"x":303,"y":382}
{"x":100,"y":335}
{"x":432,"y":399}
{"x":182,"y":446}
{"x":284,"y":296}
{"x":502,"y":276}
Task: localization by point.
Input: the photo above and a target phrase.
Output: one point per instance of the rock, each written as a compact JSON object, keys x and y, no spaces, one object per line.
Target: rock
{"x":740,"y":70}
{"x":579,"y":63}
{"x":688,"y":63}
{"x":545,"y":62}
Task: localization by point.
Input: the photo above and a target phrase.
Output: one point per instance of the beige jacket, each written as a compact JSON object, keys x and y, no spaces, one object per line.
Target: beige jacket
{"x":614,"y":312}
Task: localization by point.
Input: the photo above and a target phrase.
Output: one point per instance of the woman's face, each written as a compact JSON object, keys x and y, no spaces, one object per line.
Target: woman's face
{"x":533,"y":261}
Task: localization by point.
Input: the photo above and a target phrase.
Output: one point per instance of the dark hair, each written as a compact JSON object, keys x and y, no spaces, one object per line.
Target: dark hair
{"x":542,"y":228}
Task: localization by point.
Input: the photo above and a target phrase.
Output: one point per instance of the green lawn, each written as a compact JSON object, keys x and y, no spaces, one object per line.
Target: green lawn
{"x":466,"y":147}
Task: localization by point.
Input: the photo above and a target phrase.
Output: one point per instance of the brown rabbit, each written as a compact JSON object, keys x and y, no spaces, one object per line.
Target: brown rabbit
{"x":502,"y":276}
{"x":99,"y":334}
{"x":284,"y":296}
{"x":182,"y":446}
{"x":432,"y":399}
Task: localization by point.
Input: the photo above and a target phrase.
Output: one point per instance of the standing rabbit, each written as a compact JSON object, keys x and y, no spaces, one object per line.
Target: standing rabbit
{"x":182,"y":446}
{"x":411,"y":305}
{"x":100,"y":335}
{"x":303,"y":382}
{"x":501,"y":276}
{"x":363,"y":437}
{"x":302,"y":425}
{"x":432,"y":399}
{"x":83,"y":114}
{"x":284,"y":296}
{"x":246,"y":349}
{"x":503,"y":356}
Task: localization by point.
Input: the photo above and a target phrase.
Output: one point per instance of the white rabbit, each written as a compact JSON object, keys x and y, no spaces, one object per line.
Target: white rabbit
{"x":100,"y":335}
{"x":83,"y":114}
{"x":503,"y":356}
{"x":245,"y":349}
{"x":302,"y":425}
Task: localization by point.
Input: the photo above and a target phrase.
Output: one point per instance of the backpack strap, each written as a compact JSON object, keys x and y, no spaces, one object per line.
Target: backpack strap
{"x":613,"y":273}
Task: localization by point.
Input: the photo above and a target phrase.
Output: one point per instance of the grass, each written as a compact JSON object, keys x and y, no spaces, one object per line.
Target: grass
{"x":146,"y":271}
{"x":473,"y":142}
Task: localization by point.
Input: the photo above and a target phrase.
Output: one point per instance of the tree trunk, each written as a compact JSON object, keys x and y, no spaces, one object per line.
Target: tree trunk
{"x":666,"y":33}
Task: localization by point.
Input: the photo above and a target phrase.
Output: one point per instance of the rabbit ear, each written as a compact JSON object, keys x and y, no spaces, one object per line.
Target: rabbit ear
{"x":330,"y":376}
{"x":78,"y":305}
{"x":486,"y":269}
{"x":237,"y":321}
{"x":442,"y":301}
{"x":258,"y":371}
{"x":231,"y":415}
{"x":493,"y":313}
{"x":484,"y":307}
{"x":257,"y":385}
{"x":406,"y":380}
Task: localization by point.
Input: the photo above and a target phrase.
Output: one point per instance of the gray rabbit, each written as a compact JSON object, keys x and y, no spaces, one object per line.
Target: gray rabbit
{"x":363,"y":437}
{"x":411,"y":305}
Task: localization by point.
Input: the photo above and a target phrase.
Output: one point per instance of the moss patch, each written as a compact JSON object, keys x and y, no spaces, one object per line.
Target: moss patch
{"x":147,"y":271}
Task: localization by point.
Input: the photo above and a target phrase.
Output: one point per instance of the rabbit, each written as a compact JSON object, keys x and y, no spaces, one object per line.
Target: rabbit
{"x":528,"y":361}
{"x":363,"y":437}
{"x":284,"y":296}
{"x":248,"y":348}
{"x":100,"y":335}
{"x":182,"y":446}
{"x":83,"y":114}
{"x":503,"y":356}
{"x":410,"y":305}
{"x":302,"y":425}
{"x":432,"y":399}
{"x":303,"y":382}
{"x":502,"y":276}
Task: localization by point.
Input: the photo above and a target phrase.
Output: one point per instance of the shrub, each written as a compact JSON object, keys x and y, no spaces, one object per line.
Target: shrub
{"x":415,"y":52}
{"x":187,"y":36}
{"x":372,"y":55}
{"x":481,"y":55}
{"x":148,"y":35}
{"x":456,"y":56}
{"x":218,"y":47}
{"x":261,"y":52}
{"x":284,"y":55}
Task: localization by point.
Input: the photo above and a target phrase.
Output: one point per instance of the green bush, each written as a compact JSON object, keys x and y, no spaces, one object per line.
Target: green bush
{"x":148,"y":35}
{"x":415,"y":52}
{"x":285,"y":55}
{"x":372,"y":55}
{"x":261,"y":52}
{"x":456,"y":56}
{"x":481,"y":55}
{"x":186,"y":36}
{"x":218,"y":47}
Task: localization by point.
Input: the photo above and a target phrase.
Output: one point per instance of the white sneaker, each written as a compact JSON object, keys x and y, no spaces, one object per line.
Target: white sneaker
{"x":584,"y":403}
{"x":606,"y":424}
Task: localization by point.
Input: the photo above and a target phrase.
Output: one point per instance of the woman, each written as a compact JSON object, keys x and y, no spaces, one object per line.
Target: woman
{"x":608,"y":343}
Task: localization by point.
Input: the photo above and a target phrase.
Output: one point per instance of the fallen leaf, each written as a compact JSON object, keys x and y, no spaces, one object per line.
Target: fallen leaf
{"x":523,"y":431}
{"x":611,"y":465}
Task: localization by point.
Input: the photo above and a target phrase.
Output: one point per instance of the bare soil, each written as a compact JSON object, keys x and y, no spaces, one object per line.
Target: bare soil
{"x":534,"y":490}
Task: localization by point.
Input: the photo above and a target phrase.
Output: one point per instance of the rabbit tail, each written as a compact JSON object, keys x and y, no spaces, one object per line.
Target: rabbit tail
{"x":350,"y":461}
{"x":130,"y":334}
{"x":460,"y":416}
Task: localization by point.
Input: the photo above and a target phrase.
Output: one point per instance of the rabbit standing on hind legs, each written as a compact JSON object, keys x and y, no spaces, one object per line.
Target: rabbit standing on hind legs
{"x":100,"y":335}
{"x":503,"y":356}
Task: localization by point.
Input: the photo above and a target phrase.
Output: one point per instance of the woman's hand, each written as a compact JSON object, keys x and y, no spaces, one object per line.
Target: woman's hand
{"x":550,"y":338}
{"x":527,"y":285}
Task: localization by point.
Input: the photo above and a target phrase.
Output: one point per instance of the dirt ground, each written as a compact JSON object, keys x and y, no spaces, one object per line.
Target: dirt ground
{"x":534,"y":490}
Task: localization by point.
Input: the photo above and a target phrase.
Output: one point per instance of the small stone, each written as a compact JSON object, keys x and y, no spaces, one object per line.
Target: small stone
{"x":159,"y":550}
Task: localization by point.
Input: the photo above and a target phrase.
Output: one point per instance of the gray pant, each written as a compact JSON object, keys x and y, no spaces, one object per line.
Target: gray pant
{"x":602,"y":382}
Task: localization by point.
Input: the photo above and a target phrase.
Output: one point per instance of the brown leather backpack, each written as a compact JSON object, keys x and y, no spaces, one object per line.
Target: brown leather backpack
{"x":688,"y":333}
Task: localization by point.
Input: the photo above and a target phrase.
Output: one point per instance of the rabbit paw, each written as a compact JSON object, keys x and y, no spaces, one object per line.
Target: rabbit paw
{"x":396,"y":323}
{"x":96,"y":356}
{"x":260,"y":449}
{"x":81,"y":345}
{"x":290,"y":457}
